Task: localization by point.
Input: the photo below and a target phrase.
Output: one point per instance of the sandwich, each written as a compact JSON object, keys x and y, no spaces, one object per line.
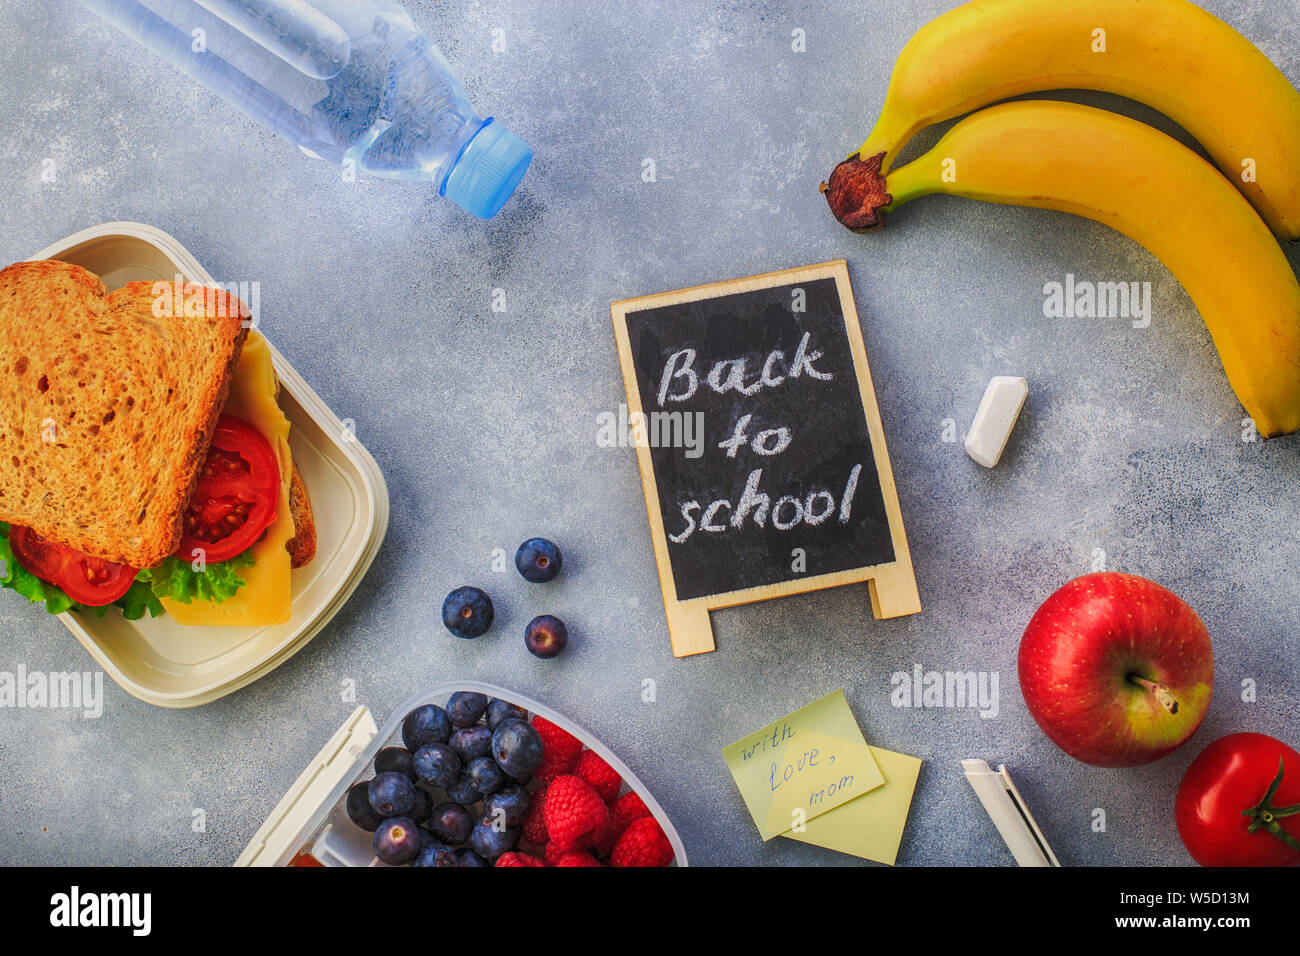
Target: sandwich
{"x":144,"y":460}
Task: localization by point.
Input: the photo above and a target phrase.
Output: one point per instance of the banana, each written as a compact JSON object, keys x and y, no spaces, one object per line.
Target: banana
{"x":1168,"y":54}
{"x":1146,"y":185}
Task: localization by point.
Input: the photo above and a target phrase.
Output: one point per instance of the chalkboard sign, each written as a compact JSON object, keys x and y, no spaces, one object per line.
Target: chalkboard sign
{"x":760,"y":446}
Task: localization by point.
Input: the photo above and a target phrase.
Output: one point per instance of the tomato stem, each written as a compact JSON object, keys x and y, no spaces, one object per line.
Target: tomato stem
{"x":1264,"y":815}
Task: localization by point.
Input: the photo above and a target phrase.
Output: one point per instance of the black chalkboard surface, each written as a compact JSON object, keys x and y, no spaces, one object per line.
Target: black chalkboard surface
{"x":760,"y":445}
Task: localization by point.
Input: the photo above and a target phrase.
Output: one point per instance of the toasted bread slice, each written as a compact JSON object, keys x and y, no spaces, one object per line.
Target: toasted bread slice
{"x":302,"y":546}
{"x":106,"y":409}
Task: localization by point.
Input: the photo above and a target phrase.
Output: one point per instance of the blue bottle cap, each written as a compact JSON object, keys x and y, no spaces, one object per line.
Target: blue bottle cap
{"x":487,"y":172}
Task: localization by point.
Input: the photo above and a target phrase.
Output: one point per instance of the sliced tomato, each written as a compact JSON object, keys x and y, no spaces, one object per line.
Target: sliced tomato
{"x":93,"y":582}
{"x":237,"y":496}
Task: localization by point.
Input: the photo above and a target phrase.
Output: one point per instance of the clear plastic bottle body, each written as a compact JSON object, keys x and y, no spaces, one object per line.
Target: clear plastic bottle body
{"x":348,"y":81}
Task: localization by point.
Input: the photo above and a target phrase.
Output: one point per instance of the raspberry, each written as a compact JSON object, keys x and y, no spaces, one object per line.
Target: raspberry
{"x":599,"y":774}
{"x":642,"y":844}
{"x":627,"y":808}
{"x":560,"y":750}
{"x":622,"y":813}
{"x":577,"y":858}
{"x":553,"y":853}
{"x":573,"y":810}
{"x":535,"y":823}
{"x":516,"y":858}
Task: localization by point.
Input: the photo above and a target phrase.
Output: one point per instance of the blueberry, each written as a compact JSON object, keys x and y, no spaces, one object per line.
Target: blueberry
{"x":359,"y":809}
{"x":397,"y":759}
{"x":451,"y":823}
{"x":486,"y":775}
{"x":435,"y":854}
{"x":538,"y":560}
{"x":397,"y":840}
{"x":422,"y":806}
{"x":437,"y":764}
{"x":517,"y":747}
{"x":509,"y":805}
{"x":391,"y":794}
{"x":471,"y":742}
{"x":489,"y":841}
{"x":467,"y":612}
{"x":425,"y":725}
{"x":499,"y":710}
{"x":466,"y":707}
{"x":463,"y":791}
{"x":545,"y":636}
{"x":469,"y":858}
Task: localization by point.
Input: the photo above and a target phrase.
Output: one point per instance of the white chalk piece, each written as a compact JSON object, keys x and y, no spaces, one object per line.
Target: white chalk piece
{"x":998,"y":411}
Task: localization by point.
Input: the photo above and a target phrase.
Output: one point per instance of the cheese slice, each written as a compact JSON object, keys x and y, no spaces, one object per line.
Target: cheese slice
{"x":264,"y":599}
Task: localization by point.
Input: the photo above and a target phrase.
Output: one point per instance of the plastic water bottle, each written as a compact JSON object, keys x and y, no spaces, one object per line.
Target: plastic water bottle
{"x":354,"y":82}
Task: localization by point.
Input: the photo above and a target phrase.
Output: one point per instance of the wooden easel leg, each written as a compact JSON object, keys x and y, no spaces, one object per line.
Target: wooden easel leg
{"x":690,"y":629}
{"x":893,"y":592}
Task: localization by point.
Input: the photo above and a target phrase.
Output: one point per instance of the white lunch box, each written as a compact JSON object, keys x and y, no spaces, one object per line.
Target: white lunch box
{"x":312,"y":819}
{"x":162,"y":662}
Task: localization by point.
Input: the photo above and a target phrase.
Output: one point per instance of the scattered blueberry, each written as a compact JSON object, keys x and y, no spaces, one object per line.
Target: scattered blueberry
{"x":486,"y":775}
{"x":425,"y":725}
{"x":397,"y":840}
{"x":511,"y":802}
{"x":469,"y":858}
{"x":360,"y":811}
{"x":471,"y":742}
{"x":545,"y":636}
{"x":391,"y":794}
{"x":489,"y":842}
{"x":499,"y":710}
{"x":436,"y":854}
{"x":538,"y":560}
{"x":437,"y":764}
{"x":397,"y":759}
{"x":467,"y":612}
{"x":463,"y":791}
{"x":451,"y":823}
{"x":422,"y":806}
{"x":517,"y":747}
{"x":465,"y":707}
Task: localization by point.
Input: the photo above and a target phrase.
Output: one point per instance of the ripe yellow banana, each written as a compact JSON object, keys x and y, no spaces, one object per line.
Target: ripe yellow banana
{"x":1169,"y":54}
{"x":1150,"y":187}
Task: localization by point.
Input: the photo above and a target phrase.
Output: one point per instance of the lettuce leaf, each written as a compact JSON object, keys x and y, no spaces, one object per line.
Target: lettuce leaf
{"x":139,"y":597}
{"x":174,"y":579}
{"x":178,"y":581}
{"x":27,"y":584}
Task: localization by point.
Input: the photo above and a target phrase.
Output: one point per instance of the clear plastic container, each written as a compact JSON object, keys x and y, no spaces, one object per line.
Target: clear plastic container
{"x":312,"y":819}
{"x":353,"y":82}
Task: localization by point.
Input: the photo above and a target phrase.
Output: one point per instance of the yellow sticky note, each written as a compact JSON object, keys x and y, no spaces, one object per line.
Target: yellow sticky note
{"x":803,"y":765}
{"x":870,"y":826}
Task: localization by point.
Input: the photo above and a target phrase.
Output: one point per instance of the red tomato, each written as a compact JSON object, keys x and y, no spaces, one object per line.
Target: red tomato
{"x":237,"y":495}
{"x":89,"y":581}
{"x":1239,"y":803}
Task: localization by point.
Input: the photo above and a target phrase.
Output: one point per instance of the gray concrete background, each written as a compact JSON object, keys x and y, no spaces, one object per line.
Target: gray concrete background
{"x":484,"y":423}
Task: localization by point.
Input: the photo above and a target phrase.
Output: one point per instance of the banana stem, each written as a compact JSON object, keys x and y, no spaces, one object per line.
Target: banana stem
{"x":859,"y":194}
{"x":856,"y":190}
{"x":910,"y":182}
{"x":892,"y":132}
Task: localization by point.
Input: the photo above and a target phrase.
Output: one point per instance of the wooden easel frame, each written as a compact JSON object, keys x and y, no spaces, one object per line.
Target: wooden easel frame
{"x":893,"y":585}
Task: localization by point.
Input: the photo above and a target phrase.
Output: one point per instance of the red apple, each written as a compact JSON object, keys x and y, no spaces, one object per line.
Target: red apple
{"x":1116,"y":669}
